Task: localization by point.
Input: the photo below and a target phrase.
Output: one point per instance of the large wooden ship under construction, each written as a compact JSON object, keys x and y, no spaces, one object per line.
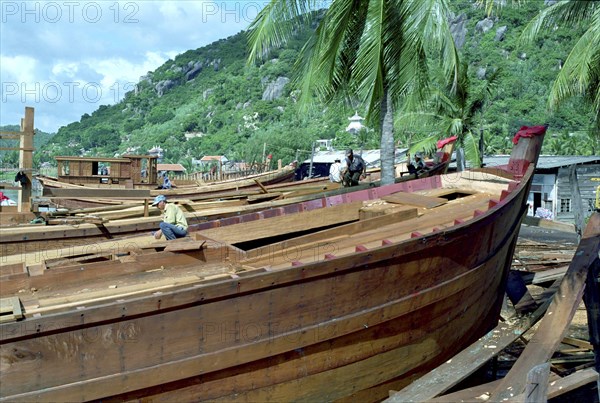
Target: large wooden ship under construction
{"x":241,"y":313}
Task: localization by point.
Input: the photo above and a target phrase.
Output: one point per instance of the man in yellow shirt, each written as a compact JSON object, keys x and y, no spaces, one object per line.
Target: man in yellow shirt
{"x":174,"y":224}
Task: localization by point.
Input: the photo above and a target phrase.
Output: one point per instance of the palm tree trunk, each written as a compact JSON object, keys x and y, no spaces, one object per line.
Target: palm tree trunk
{"x":388,"y":151}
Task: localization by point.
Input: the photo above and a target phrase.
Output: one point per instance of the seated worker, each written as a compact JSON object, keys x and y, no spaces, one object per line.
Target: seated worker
{"x":335,"y":173}
{"x":354,"y":170}
{"x":166,"y":182}
{"x":419,"y":165}
{"x":174,"y":224}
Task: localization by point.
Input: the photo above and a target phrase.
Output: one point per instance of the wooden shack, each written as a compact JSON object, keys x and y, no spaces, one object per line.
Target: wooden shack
{"x":129,"y":171}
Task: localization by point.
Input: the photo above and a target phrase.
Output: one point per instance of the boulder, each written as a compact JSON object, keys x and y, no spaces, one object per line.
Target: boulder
{"x":500,"y":33}
{"x":458,"y":29}
{"x":484,"y":25}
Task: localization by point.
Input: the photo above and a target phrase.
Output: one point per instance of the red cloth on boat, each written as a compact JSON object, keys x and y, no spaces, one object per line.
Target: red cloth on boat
{"x":2,"y":197}
{"x":529,"y":131}
{"x":443,"y":142}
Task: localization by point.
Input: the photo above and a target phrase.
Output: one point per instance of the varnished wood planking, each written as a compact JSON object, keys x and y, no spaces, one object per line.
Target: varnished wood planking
{"x":303,"y":221}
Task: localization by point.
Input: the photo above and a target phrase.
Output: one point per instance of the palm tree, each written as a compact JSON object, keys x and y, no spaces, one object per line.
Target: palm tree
{"x":373,"y":51}
{"x":449,"y":112}
{"x":580,"y":74}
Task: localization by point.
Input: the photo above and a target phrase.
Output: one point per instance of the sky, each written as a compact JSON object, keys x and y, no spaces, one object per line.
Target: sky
{"x":66,"y":58}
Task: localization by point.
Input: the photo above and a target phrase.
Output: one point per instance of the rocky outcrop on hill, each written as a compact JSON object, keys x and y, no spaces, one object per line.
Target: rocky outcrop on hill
{"x":274,"y":89}
{"x":162,"y":86}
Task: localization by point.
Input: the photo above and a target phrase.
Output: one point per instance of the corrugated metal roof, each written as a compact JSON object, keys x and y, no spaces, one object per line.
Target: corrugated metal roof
{"x":371,"y":157}
{"x":546,"y":161}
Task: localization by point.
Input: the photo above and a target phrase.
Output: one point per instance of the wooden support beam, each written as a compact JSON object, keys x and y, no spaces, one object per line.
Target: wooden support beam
{"x":465,"y":363}
{"x":537,"y":384}
{"x":554,"y":325}
{"x":261,"y":186}
{"x":591,"y":298}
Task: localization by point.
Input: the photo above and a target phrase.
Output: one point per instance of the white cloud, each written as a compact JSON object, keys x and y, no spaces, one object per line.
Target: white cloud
{"x":19,"y":69}
{"x":65,"y":68}
{"x":56,"y":54}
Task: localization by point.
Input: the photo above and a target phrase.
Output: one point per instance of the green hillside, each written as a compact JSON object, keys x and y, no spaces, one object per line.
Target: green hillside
{"x":10,"y":158}
{"x":209,"y":102}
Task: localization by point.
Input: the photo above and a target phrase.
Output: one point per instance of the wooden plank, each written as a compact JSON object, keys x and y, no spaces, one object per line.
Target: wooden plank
{"x":376,"y":210}
{"x":550,"y":224}
{"x":555,"y":324}
{"x":10,"y":309}
{"x":414,"y":199}
{"x":549,"y":275}
{"x":259,"y":229}
{"x":109,"y":193}
{"x":187,"y":245}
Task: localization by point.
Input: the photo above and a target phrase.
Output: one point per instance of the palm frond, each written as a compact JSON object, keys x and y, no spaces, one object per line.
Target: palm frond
{"x":367,"y":68}
{"x":564,"y":12}
{"x":427,"y":145}
{"x":471,"y":147}
{"x":275,"y":24}
{"x":579,"y":70}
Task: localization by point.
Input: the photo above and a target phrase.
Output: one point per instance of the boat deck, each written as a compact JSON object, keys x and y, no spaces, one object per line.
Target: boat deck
{"x":81,"y":276}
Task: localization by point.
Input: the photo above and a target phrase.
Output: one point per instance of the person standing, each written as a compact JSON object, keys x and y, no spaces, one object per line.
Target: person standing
{"x":355,"y":169}
{"x":335,"y":173}
{"x":174,"y":224}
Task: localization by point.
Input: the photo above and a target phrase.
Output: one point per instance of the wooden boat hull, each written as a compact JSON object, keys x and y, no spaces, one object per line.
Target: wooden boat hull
{"x":216,"y":189}
{"x":319,"y":317}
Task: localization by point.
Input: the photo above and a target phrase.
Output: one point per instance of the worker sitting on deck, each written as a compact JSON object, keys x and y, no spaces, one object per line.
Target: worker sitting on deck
{"x":335,"y":173}
{"x":354,"y":170}
{"x":419,"y":166}
{"x":174,"y":224}
{"x":166,"y":181}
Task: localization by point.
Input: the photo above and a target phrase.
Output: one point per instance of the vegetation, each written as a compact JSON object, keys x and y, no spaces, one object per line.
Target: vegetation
{"x":373,"y":51}
{"x":221,"y":110}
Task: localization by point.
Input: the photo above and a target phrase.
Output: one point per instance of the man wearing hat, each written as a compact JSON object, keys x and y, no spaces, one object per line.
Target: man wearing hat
{"x":174,"y":224}
{"x":355,"y":169}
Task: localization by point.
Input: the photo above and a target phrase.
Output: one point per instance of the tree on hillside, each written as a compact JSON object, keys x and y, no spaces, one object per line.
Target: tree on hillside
{"x":373,"y":51}
{"x":580,"y":73}
{"x":449,"y":112}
